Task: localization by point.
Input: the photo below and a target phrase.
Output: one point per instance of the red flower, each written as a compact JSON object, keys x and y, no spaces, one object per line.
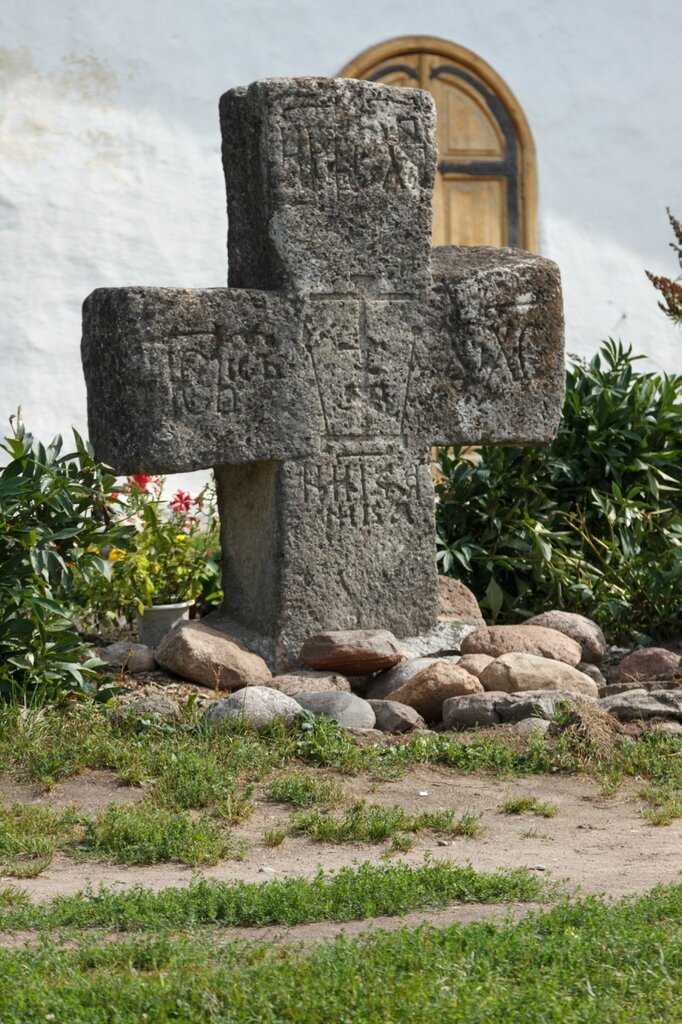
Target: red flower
{"x":140,"y":480}
{"x":181,"y":501}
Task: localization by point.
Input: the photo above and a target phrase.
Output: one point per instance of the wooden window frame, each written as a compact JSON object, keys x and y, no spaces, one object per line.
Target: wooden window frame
{"x":474,"y":70}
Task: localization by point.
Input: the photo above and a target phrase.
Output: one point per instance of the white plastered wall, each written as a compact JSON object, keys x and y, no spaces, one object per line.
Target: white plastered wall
{"x":110,"y":167}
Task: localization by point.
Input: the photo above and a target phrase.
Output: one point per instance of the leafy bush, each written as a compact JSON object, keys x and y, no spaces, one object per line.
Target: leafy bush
{"x":593,"y":523}
{"x":55,"y":520}
{"x":170,"y":554}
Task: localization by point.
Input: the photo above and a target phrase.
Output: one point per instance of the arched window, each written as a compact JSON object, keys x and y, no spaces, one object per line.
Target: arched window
{"x":486,"y":185}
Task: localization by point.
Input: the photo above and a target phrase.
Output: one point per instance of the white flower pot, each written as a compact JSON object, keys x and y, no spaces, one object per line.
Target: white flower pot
{"x":158,"y":620}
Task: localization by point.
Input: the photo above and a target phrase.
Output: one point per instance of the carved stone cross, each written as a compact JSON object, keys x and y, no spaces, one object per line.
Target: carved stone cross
{"x":342,"y":350}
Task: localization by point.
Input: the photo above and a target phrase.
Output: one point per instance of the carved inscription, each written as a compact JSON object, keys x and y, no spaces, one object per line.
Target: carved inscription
{"x":361,"y":352}
{"x":356,"y":491}
{"x":499,"y":347}
{"x":216,"y":372}
{"x":318,"y":151}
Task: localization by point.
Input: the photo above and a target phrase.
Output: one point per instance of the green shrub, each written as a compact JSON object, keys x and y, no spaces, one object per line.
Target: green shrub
{"x":56,"y":517}
{"x":592,"y":523}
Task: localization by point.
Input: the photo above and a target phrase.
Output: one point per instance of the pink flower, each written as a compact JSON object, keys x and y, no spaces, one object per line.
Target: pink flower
{"x":181,"y":501}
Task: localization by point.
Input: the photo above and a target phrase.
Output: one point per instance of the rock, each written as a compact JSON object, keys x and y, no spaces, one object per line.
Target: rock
{"x":536,"y":640}
{"x":593,"y":671}
{"x":354,"y":652}
{"x":643,"y":704}
{"x":496,"y":707}
{"x":428,"y":689}
{"x":458,"y":602}
{"x":579,"y":628}
{"x":153,"y":707}
{"x":670,"y":728}
{"x":648,"y":663}
{"x":648,"y":684}
{"x":384,"y":684}
{"x":516,"y":671}
{"x":444,"y":638}
{"x":345,"y":708}
{"x":394,"y":717}
{"x":258,"y":706}
{"x":207,"y":656}
{"x":308,"y":680}
{"x":475,"y":709}
{"x":475,"y":664}
{"x":527,"y":726}
{"x":540,"y":704}
{"x":128,"y":656}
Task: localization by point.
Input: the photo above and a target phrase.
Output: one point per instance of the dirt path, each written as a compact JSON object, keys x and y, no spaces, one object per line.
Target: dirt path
{"x":595,"y":844}
{"x":308,"y":934}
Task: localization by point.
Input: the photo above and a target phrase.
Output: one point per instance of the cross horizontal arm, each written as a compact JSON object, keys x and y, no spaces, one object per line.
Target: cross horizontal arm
{"x":489,"y":365}
{"x":183,"y":379}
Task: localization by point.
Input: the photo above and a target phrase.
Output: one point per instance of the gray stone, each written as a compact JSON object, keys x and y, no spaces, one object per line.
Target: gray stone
{"x":341,"y":352}
{"x":539,"y":704}
{"x":445,"y":637}
{"x":528,"y":726}
{"x":642,"y":684}
{"x":642,"y":704}
{"x":495,"y":707}
{"x":581,"y":629}
{"x":593,"y":671}
{"x":355,"y":652}
{"x":129,"y":657}
{"x":394,"y":717}
{"x":474,"y":709}
{"x":345,"y":708}
{"x":154,"y":707}
{"x":258,"y":706}
{"x":307,"y":680}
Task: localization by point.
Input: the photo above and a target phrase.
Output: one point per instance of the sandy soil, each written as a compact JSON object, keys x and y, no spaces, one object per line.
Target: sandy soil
{"x":595,"y":844}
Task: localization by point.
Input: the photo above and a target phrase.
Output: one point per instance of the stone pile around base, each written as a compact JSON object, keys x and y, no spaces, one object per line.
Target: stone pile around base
{"x":517,"y":676}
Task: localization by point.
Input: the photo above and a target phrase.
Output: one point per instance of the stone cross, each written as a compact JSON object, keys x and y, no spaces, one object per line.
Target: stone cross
{"x":342,"y":350}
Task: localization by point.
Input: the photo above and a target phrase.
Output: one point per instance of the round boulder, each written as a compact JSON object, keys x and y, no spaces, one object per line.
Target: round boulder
{"x":127,"y":656}
{"x":515,"y":672}
{"x":579,"y":628}
{"x":345,"y":708}
{"x":458,"y":602}
{"x":258,"y":706}
{"x":648,"y":663}
{"x":428,"y":689}
{"x":210,"y":657}
{"x":394,"y":717}
{"x":475,"y":664}
{"x":537,"y":640}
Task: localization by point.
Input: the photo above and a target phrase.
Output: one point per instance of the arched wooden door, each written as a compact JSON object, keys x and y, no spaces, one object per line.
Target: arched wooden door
{"x":486,"y":186}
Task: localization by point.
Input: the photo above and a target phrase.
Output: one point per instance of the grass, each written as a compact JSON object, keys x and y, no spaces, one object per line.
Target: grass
{"x":145,"y":834}
{"x":587,"y":963}
{"x":665,"y":804}
{"x":349,"y":894}
{"x":529,"y":805}
{"x":303,"y":789}
{"x":187,"y":768}
{"x":30,"y":835}
{"x":374,"y":824}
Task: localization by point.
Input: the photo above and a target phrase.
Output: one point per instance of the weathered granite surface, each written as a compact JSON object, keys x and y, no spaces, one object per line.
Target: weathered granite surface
{"x":342,"y":350}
